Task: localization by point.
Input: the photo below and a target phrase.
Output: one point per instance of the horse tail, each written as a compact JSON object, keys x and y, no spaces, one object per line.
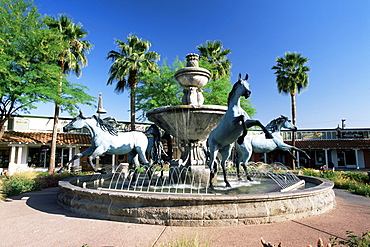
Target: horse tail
{"x":155,"y":150}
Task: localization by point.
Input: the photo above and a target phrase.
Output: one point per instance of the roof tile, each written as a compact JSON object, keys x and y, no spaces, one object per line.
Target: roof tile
{"x":45,"y":137}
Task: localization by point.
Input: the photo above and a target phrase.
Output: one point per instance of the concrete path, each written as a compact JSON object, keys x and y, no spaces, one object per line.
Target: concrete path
{"x":35,"y":219}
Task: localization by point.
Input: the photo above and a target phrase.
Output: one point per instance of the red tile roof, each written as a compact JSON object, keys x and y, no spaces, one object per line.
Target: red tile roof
{"x":45,"y":137}
{"x":332,"y":144}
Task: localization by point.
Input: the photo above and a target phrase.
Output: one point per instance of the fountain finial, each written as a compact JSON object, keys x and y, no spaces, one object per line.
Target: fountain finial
{"x":192,"y":60}
{"x":192,"y":78}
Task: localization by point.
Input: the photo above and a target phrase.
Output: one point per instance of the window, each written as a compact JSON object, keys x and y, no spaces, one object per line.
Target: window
{"x":4,"y":157}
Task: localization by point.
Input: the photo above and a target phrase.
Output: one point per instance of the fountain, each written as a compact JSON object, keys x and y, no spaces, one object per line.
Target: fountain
{"x":191,"y":122}
{"x":182,"y":198}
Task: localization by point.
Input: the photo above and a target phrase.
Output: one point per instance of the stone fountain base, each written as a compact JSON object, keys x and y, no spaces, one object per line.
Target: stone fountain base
{"x":197,"y":210}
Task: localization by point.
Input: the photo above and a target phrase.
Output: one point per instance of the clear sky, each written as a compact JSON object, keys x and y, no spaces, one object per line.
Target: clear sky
{"x":333,"y":34}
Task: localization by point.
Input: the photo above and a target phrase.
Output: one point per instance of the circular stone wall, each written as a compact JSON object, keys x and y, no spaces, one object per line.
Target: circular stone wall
{"x":197,"y":210}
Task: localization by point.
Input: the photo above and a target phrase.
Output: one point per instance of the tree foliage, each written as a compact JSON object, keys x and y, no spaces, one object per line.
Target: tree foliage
{"x":216,"y":55}
{"x":72,"y":59}
{"x":131,"y":59}
{"x":29,"y":72}
{"x":159,"y":88}
{"x":291,"y":76}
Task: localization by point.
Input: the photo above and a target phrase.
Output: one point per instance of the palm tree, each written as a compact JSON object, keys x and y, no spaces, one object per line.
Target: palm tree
{"x":70,"y":61}
{"x":130,"y":60}
{"x":215,"y":54}
{"x":291,"y":78}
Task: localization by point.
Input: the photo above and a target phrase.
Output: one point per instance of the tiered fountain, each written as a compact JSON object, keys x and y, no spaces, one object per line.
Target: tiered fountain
{"x":191,"y":123}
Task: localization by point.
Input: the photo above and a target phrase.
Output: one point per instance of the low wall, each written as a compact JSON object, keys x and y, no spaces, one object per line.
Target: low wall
{"x":198,"y":210}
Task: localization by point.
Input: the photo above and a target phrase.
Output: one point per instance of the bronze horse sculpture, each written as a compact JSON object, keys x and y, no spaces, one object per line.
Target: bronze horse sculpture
{"x":259,"y":143}
{"x":105,"y":139}
{"x":233,"y":125}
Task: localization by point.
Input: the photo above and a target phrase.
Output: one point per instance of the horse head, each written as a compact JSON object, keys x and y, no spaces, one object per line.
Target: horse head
{"x":240,"y":88}
{"x":245,"y":85}
{"x":287,"y":124}
{"x":77,"y":123}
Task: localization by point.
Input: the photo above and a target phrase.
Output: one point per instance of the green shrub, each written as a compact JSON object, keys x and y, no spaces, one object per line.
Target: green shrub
{"x":30,"y":181}
{"x":45,"y":180}
{"x":18,"y":183}
{"x":353,"y":240}
{"x":355,"y":182}
{"x":357,"y":176}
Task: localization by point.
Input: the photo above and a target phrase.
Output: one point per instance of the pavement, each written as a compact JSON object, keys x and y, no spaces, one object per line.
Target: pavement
{"x":35,"y":219}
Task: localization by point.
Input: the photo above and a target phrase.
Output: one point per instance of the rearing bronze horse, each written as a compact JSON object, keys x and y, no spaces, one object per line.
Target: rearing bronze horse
{"x":234,"y":125}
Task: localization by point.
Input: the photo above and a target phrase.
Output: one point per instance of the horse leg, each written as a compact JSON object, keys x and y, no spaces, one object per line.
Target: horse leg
{"x":241,"y":119}
{"x":90,"y":160}
{"x":142,"y":157}
{"x":249,"y":123}
{"x":88,"y":151}
{"x":300,"y":150}
{"x":225,"y":152}
{"x":212,"y":167}
{"x":133,"y":164}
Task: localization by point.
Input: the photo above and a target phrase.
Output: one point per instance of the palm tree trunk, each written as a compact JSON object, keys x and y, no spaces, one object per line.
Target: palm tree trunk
{"x":132,"y":107}
{"x":292,"y":96}
{"x":54,"y":139}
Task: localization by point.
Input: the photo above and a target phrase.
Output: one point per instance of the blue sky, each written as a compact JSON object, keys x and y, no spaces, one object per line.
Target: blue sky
{"x":334,"y":35}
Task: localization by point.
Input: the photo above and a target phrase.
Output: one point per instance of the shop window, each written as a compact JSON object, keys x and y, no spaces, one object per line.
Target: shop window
{"x":37,"y":158}
{"x":320,"y":157}
{"x":350,"y":157}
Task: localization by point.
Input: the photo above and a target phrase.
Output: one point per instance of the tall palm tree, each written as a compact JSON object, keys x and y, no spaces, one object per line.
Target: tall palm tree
{"x":215,"y":54}
{"x":70,"y":61}
{"x":130,"y":60}
{"x":291,"y":78}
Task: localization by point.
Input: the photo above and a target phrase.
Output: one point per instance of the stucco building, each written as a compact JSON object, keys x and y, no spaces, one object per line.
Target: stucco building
{"x":26,"y":145}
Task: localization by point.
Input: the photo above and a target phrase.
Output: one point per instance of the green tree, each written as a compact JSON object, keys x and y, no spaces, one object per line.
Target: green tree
{"x":291,"y":78}
{"x":28,"y":72}
{"x":215,"y":54}
{"x":129,"y":61}
{"x":156,"y":89}
{"x":71,"y":60}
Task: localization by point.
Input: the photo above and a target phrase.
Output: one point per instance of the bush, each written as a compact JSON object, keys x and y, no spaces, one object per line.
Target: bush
{"x":45,"y":180}
{"x":30,"y":181}
{"x":353,"y":240}
{"x":355,"y":182}
{"x":18,"y":183}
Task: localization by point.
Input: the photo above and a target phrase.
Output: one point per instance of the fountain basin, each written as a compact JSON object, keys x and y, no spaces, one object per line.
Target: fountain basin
{"x":197,"y":210}
{"x":192,"y":77}
{"x":188,"y":122}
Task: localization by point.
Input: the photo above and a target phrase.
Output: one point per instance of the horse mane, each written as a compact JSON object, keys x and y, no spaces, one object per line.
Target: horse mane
{"x":105,"y":126}
{"x":273,"y":124}
{"x":232,"y":91}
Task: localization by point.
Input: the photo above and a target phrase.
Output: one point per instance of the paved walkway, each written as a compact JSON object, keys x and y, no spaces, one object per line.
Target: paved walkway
{"x":35,"y":219}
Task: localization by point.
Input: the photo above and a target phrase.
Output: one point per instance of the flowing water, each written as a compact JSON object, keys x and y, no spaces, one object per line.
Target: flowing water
{"x":266,"y":178}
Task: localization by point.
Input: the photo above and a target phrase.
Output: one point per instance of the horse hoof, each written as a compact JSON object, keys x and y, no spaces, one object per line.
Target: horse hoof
{"x":249,"y":178}
{"x":211,"y":187}
{"x":228,"y":185}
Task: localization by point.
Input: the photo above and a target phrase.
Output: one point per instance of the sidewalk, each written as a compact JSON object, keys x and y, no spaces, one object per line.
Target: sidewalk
{"x":35,"y":219}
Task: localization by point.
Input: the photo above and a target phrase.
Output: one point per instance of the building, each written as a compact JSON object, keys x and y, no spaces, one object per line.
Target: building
{"x":27,"y":140}
{"x":26,"y":145}
{"x":341,"y":148}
